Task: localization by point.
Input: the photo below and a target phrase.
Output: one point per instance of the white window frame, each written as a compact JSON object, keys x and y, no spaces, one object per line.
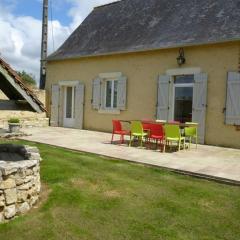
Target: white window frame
{"x":112,"y":94}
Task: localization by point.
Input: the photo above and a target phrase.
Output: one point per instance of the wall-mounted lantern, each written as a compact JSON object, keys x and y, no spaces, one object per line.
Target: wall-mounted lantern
{"x":181,"y":58}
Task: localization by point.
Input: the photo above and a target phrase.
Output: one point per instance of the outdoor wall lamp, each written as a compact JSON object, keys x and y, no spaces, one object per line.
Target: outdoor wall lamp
{"x":181,"y":58}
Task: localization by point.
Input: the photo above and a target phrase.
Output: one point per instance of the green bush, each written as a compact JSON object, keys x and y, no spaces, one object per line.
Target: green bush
{"x":14,"y":120}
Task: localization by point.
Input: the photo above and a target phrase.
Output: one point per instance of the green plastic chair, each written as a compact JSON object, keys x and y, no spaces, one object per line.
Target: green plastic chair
{"x":137,"y":131}
{"x":173,"y":134}
{"x":191,"y":133}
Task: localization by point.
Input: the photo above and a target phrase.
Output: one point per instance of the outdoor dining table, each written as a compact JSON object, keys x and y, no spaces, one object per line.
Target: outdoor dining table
{"x":181,"y":125}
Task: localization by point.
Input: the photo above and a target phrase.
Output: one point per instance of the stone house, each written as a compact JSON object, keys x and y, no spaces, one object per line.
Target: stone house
{"x":137,"y":59}
{"x":17,"y":100}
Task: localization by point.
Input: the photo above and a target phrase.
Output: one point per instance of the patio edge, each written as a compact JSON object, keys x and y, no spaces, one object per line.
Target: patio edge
{"x":178,"y":171}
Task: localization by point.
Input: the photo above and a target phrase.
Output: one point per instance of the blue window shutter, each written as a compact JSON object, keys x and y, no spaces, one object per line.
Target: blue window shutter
{"x":233,"y":99}
{"x":163,"y":97}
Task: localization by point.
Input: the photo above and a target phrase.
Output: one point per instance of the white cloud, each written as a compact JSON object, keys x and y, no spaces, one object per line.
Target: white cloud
{"x":20,"y":44}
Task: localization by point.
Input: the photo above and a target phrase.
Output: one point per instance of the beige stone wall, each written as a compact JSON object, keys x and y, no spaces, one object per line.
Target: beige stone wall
{"x":3,"y":96}
{"x":27,"y":118}
{"x":41,"y":95}
{"x":142,"y":70}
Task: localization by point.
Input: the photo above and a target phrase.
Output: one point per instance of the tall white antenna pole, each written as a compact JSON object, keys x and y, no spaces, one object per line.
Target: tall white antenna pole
{"x":44,"y":44}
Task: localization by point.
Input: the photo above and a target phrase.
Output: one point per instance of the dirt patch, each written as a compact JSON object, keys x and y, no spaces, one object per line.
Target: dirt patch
{"x":206,"y":204}
{"x":95,"y":187}
{"x":78,"y":182}
{"x":112,"y":194}
{"x":43,"y":197}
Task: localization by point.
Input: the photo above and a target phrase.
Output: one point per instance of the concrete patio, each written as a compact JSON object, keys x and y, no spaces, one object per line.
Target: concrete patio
{"x":222,"y":164}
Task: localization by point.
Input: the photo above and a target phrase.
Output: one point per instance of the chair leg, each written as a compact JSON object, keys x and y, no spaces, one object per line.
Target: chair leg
{"x":184,"y":144}
{"x":141,"y":141}
{"x":130,"y":142}
{"x":179,"y":145}
{"x":164,"y":146}
{"x":196,"y":142}
{"x":122,"y":139}
{"x":112,"y":138}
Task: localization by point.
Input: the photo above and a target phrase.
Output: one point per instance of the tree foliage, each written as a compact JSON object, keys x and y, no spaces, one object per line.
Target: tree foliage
{"x":28,"y":78}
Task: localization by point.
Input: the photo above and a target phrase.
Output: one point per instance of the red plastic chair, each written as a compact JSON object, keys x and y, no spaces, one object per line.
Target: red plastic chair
{"x":156,"y":133}
{"x":117,"y":130}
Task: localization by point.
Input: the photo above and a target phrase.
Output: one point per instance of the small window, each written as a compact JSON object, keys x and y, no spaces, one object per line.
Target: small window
{"x":111,"y":93}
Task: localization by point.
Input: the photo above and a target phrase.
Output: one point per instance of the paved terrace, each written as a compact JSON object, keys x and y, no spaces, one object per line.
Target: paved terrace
{"x":207,"y":161}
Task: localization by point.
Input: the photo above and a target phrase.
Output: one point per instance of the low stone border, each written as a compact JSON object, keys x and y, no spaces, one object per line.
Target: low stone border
{"x":13,"y":135}
{"x":19,"y":181}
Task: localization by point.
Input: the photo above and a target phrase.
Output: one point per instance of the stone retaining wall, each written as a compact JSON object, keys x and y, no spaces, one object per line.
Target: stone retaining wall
{"x":19,"y":184}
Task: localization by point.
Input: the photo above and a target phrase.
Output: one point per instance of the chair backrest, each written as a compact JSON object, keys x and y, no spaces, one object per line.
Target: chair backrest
{"x":117,"y":126}
{"x":172,"y":131}
{"x":146,"y":125}
{"x":156,"y":129}
{"x":136,"y":127}
{"x":190,"y":131}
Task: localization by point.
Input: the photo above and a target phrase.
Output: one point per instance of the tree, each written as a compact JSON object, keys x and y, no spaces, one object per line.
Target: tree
{"x":28,"y":78}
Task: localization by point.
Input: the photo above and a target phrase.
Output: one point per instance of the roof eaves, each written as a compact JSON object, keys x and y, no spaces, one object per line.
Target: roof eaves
{"x":51,"y":59}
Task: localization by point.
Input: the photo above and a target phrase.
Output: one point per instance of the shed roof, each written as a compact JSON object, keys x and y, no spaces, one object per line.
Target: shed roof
{"x":140,"y":25}
{"x":14,"y":88}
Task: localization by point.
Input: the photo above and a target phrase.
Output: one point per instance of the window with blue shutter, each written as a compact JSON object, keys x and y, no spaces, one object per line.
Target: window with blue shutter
{"x":233,"y":99}
{"x":110,"y":92}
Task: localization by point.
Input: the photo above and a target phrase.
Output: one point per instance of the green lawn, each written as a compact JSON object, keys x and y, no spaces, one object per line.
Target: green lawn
{"x":92,"y":197}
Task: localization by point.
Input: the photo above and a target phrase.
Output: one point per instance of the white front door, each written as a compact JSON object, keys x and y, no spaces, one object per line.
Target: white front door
{"x":69,"y":106}
{"x":182,"y":101}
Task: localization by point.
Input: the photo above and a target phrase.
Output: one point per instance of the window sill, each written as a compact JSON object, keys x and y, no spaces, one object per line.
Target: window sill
{"x":109,"y":111}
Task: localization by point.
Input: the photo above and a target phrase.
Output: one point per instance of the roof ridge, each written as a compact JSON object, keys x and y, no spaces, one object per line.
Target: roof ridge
{"x":107,"y":4}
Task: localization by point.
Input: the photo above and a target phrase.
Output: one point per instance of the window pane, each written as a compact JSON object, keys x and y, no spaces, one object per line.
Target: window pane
{"x":183,"y":104}
{"x":115,"y":94}
{"x":108,"y":93}
{"x":69,"y":102}
{"x":184,"y":79}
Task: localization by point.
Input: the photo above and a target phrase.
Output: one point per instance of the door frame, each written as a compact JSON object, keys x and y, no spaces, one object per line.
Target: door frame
{"x":69,"y":122}
{"x":173,"y":95}
{"x":63,"y":84}
{"x":176,"y":72}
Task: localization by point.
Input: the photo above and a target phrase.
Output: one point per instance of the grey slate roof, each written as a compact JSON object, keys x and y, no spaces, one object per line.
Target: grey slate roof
{"x":139,"y":25}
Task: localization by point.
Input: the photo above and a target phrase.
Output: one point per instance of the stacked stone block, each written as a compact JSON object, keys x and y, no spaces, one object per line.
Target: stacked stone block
{"x":19,"y":183}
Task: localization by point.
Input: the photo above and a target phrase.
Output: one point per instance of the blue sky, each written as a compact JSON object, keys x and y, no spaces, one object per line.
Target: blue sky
{"x":20,"y":21}
{"x":34,"y":8}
